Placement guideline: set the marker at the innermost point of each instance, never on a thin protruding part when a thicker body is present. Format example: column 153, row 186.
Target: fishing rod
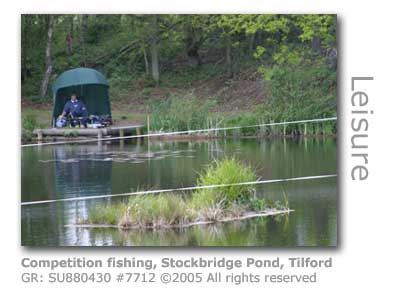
column 82, row 198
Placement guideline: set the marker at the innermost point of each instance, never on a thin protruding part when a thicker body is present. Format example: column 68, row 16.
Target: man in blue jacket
column 75, row 108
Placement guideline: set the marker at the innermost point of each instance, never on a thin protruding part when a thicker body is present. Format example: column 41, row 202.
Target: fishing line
column 177, row 189
column 178, row 132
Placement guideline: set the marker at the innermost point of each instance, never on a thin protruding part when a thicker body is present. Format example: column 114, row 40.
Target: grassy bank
column 172, row 121
column 281, row 92
column 190, row 114
column 204, row 98
column 202, row 206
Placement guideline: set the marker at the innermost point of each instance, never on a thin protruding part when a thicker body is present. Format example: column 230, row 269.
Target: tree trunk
column 228, row 58
column 26, row 21
column 145, row 58
column 192, row 46
column 155, row 62
column 251, row 44
column 48, row 60
column 155, row 50
column 83, row 37
column 316, row 45
column 70, row 37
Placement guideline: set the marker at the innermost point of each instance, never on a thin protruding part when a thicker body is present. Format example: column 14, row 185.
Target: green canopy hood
column 90, row 86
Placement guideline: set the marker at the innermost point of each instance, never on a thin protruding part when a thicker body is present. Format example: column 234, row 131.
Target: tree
column 151, row 32
column 26, row 23
column 147, row 34
column 70, row 36
column 125, row 47
column 227, row 24
column 83, row 36
column 154, row 43
column 48, row 57
column 194, row 30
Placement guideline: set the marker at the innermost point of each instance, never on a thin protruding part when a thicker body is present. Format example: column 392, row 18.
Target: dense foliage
column 294, row 54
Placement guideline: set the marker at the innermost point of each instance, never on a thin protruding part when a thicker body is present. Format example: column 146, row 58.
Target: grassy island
column 203, row 206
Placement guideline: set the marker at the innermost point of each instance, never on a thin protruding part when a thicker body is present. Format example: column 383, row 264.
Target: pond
column 64, row 171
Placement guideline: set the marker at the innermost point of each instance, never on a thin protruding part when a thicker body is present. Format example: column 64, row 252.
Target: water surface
column 56, row 172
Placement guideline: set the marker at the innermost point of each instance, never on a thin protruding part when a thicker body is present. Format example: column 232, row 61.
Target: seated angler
column 75, row 109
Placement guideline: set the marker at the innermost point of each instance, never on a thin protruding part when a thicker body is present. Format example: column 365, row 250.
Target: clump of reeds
column 159, row 210
column 209, row 204
column 108, row 214
column 225, row 172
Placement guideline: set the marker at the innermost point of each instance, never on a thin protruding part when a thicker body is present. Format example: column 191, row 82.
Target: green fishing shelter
column 89, row 85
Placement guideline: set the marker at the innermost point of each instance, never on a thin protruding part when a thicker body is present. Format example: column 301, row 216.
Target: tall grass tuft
column 176, row 114
column 28, row 124
column 159, row 210
column 226, row 171
column 107, row 214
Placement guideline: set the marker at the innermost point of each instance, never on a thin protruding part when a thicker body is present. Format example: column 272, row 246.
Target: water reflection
column 81, row 170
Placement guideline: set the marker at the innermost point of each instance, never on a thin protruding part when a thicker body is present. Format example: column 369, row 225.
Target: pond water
column 56, row 172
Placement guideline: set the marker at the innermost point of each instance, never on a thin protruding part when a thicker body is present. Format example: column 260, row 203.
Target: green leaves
column 301, row 90
column 259, row 52
column 322, row 26
column 119, row 45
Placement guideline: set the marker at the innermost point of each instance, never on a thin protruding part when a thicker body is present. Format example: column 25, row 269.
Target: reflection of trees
column 313, row 222
column 79, row 172
column 314, row 201
column 71, row 177
column 312, row 219
column 174, row 164
column 35, row 177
